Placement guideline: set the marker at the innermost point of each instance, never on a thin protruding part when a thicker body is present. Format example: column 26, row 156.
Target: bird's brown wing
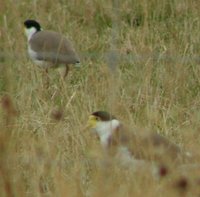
column 157, row 147
column 149, row 146
column 52, row 46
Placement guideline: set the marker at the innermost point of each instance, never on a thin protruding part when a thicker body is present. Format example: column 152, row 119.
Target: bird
column 49, row 48
column 117, row 140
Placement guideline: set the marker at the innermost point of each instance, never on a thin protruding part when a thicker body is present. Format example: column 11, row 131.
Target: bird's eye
column 97, row 118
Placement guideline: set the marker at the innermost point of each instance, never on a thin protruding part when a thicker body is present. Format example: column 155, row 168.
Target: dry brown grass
column 154, row 47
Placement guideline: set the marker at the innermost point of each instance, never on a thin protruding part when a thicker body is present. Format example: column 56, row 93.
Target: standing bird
column 48, row 48
column 118, row 141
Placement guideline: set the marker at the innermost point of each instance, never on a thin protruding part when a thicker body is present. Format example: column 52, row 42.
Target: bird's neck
column 29, row 32
column 105, row 130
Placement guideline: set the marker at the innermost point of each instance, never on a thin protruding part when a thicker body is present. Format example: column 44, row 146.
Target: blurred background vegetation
column 140, row 60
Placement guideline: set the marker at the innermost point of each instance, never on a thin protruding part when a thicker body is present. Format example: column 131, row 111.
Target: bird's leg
column 64, row 74
column 46, row 78
column 66, row 71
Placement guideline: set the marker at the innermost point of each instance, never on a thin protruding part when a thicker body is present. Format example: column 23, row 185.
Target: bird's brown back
column 52, row 46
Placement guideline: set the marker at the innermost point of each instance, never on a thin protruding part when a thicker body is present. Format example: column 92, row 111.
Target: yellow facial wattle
column 92, row 121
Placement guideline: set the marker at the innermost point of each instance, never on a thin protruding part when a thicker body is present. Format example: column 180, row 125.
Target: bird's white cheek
column 27, row 33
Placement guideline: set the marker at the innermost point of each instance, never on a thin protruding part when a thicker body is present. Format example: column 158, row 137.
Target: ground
column 139, row 60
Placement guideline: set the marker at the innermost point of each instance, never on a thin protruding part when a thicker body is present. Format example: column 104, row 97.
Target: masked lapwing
column 48, row 48
column 116, row 139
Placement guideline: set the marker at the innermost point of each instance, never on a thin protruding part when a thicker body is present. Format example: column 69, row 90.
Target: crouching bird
column 119, row 141
column 48, row 48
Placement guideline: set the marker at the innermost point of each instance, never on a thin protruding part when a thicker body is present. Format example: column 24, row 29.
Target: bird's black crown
column 103, row 115
column 32, row 23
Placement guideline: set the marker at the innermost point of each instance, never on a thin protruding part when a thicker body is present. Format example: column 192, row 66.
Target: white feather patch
column 105, row 130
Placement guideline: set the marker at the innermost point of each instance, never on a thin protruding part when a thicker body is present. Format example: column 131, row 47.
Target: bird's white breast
column 33, row 56
column 105, row 130
column 124, row 155
column 32, row 53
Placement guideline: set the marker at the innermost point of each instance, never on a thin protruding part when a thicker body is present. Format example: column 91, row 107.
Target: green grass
column 151, row 82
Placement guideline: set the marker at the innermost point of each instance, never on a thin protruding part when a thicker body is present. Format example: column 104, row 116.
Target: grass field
column 140, row 61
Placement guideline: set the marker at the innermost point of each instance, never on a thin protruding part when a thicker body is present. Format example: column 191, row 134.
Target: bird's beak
column 91, row 123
